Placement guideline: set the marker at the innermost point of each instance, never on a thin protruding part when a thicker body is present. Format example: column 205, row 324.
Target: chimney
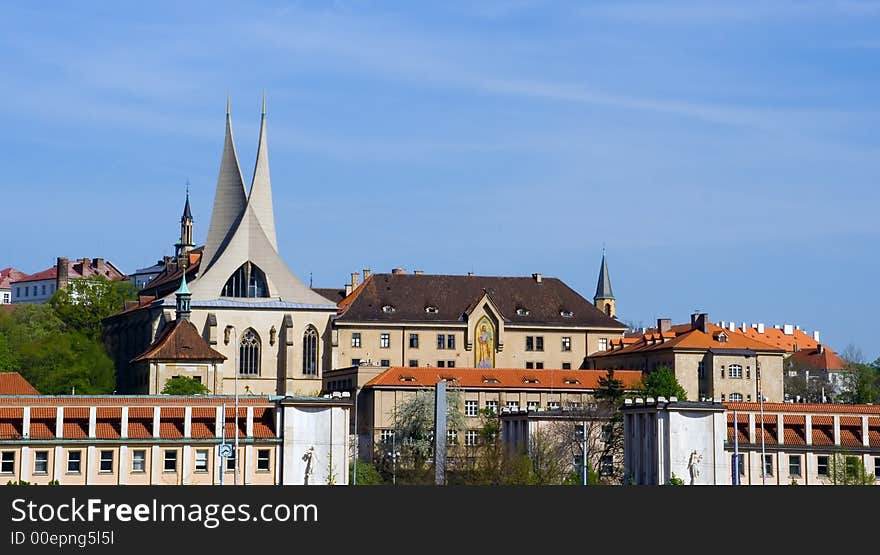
column 62, row 275
column 761, row 327
column 700, row 321
column 664, row 324
column 419, row 272
column 819, row 348
column 367, row 273
column 816, row 336
column 744, row 328
column 355, row 277
column 732, row 326
column 100, row 266
column 398, row 271
column 348, row 289
column 788, row 329
column 537, row 277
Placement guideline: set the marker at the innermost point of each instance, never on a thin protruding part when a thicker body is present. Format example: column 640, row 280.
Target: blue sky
column 726, row 154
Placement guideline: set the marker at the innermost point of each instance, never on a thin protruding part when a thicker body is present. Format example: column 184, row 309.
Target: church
column 230, row 306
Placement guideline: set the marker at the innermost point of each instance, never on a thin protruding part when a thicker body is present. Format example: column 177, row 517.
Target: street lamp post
column 235, row 358
column 354, row 478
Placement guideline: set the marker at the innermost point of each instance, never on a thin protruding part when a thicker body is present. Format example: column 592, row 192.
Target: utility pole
column 735, row 449
column 761, row 404
column 585, row 474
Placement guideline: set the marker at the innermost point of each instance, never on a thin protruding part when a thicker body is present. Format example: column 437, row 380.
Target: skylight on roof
column 522, row 311
column 566, row 313
column 387, row 309
column 432, row 309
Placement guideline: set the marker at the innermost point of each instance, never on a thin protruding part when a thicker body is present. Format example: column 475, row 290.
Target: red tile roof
column 140, row 401
column 180, row 340
column 776, row 336
column 76, row 269
column 822, row 436
column 812, row 358
column 12, row 383
column 41, row 429
column 501, row 378
column 8, row 275
column 828, row 408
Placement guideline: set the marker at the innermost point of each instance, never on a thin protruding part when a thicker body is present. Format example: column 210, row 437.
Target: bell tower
column 186, row 229
column 604, row 298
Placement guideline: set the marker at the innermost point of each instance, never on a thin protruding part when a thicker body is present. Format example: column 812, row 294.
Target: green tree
column 183, row 385
column 65, row 363
column 367, row 474
column 845, row 469
column 860, row 384
column 611, row 389
column 414, row 426
column 662, row 383
column 84, row 303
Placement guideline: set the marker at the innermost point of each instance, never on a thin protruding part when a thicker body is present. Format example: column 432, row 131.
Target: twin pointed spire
column 231, row 198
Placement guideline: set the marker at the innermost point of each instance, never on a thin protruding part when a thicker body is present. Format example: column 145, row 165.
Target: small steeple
column 604, row 298
column 186, row 229
column 183, row 298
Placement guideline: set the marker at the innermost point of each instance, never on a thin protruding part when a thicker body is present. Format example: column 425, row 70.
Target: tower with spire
column 186, row 230
column 604, row 298
column 183, row 299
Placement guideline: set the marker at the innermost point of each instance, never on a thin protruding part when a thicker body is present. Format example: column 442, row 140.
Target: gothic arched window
column 310, row 352
column 249, row 353
column 248, row 281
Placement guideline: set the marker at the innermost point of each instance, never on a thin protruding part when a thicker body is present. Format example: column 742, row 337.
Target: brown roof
column 812, row 358
column 12, row 383
column 332, row 294
column 410, row 295
column 77, row 269
column 169, row 279
column 180, row 340
column 501, row 378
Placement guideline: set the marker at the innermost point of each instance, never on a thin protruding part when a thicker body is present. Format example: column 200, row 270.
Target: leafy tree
column 662, row 383
column 675, row 480
column 367, row 474
column 84, row 303
column 611, row 388
column 63, row 363
column 848, row 470
column 414, row 426
column 183, row 385
column 860, row 383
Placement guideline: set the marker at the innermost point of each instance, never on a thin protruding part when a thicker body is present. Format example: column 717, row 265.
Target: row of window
column 447, row 341
column 138, row 461
column 31, row 291
column 734, row 371
column 249, row 351
column 472, row 408
column 795, row 465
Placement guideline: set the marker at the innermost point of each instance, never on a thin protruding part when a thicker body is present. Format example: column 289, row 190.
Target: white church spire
column 229, row 199
column 260, row 198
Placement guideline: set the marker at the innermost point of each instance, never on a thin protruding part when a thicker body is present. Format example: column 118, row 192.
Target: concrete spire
column 603, row 287
column 260, row 198
column 230, row 199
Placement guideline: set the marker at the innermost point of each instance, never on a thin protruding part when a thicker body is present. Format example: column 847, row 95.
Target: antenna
column 310, row 280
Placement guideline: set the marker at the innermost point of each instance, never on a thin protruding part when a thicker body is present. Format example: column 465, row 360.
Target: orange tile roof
column 794, row 435
column 10, row 429
column 874, row 437
column 76, row 412
column 41, row 429
column 8, row 275
column 75, row 429
column 202, row 429
column 501, row 378
column 12, row 383
column 850, row 438
column 108, row 429
column 828, row 408
column 140, row 429
column 171, row 429
column 49, row 402
column 812, row 358
column 777, row 337
column 822, row 437
column 683, row 336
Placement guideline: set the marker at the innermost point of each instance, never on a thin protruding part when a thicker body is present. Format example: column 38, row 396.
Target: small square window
column 106, row 461
column 41, row 462
column 170, row 460
column 566, row 366
column 74, row 462
column 385, row 362
column 263, row 457
column 822, row 465
column 441, row 364
column 530, row 365
column 413, row 363
column 471, row 408
column 201, row 460
column 492, row 406
column 450, row 364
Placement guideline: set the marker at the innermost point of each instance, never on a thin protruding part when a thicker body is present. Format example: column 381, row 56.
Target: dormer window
column 449, row 378
column 571, row 381
column 531, row 379
column 431, row 309
column 721, row 337
column 522, row 311
column 387, row 309
column 566, row 313
column 407, row 378
column 490, row 379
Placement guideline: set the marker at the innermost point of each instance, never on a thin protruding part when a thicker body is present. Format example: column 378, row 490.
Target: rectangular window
column 451, row 437
column 387, row 436
column 413, row 341
column 742, row 463
column 539, row 365
column 263, row 460
column 385, row 341
column 74, row 462
column 138, row 460
column 532, row 405
column 43, row 289
column 768, row 465
column 530, row 343
column 512, row 405
column 355, row 362
column 413, row 363
column 41, row 462
column 566, row 343
column 851, row 464
column 201, row 460
column 492, row 406
column 822, row 465
column 701, row 370
column 794, row 465
column 735, row 371
column 450, row 364
column 106, row 461
column 450, row 341
column 471, row 408
column 603, row 343
column 356, row 339
column 530, row 365
column 385, row 362
column 552, row 405
column 230, row 464
column 170, row 460
column 471, row 437
column 539, row 343
column 441, row 341
column 566, row 366
column 441, row 364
